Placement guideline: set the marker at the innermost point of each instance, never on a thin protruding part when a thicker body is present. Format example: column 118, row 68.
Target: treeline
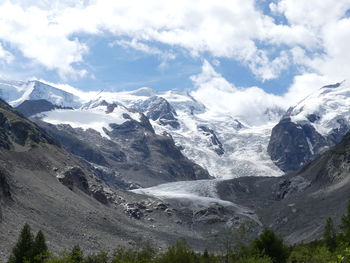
column 267, row 248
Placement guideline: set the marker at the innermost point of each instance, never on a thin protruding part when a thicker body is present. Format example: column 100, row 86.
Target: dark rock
column 134, row 212
column 313, row 117
column 75, row 178
column 291, row 186
column 161, row 206
column 31, row 107
column 293, row 145
column 100, row 196
column 158, row 108
column 215, row 142
column 5, row 192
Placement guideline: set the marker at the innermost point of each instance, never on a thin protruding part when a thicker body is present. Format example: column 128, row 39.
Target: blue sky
column 281, row 46
column 118, row 68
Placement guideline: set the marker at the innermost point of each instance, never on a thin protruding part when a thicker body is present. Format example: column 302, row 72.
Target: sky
column 274, row 50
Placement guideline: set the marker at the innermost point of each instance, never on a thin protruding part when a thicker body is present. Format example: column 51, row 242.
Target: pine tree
column 272, row 246
column 329, row 235
column 76, row 255
column 23, row 248
column 39, row 248
column 345, row 225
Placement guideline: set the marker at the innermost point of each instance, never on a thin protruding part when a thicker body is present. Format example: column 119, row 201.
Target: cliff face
column 309, row 128
column 293, row 145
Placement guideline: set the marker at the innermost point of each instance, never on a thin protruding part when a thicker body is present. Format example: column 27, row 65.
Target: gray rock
column 293, row 145
column 159, row 109
column 75, row 178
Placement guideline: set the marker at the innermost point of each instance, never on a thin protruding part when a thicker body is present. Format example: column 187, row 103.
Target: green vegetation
column 28, row 248
column 267, row 248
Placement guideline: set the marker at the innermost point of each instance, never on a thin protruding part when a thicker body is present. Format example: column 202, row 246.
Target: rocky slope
column 312, row 126
column 49, row 188
column 297, row 205
column 32, row 107
column 120, row 144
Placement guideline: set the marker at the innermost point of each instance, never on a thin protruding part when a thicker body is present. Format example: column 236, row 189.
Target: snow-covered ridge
column 326, row 110
column 97, row 118
column 16, row 92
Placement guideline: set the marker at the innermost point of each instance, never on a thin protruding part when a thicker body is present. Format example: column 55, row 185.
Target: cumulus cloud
column 314, row 35
column 164, row 56
column 328, row 60
column 36, row 34
column 44, row 30
column 5, row 56
column 252, row 105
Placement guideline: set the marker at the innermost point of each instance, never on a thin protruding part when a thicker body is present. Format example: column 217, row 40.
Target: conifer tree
column 345, row 225
column 76, row 255
column 329, row 235
column 39, row 248
column 23, row 249
column 272, row 246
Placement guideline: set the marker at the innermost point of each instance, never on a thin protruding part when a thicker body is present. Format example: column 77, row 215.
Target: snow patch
column 93, row 118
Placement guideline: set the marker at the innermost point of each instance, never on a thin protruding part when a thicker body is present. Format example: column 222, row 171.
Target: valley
column 164, row 166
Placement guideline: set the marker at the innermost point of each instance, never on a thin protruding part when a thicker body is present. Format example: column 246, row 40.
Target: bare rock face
column 293, row 145
column 75, row 178
column 310, row 127
column 133, row 154
column 290, row 186
column 31, row 107
column 215, row 142
column 158, row 108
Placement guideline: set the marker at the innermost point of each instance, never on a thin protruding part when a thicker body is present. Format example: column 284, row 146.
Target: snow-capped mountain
column 131, row 136
column 16, row 92
column 312, row 126
column 227, row 146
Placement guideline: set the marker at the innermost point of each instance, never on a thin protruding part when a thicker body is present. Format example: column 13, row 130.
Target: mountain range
column 164, row 165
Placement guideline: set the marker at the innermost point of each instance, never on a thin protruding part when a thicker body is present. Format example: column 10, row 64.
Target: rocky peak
column 316, row 123
column 159, row 109
column 214, row 141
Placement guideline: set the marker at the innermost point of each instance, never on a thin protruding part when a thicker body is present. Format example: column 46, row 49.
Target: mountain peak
column 144, row 91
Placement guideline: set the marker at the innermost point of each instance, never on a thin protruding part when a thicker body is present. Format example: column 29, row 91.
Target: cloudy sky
column 273, row 49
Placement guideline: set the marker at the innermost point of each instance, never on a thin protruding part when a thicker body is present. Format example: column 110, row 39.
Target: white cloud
column 315, row 37
column 220, row 96
column 34, row 32
column 43, row 30
column 251, row 104
column 164, row 56
column 327, row 61
column 5, row 56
